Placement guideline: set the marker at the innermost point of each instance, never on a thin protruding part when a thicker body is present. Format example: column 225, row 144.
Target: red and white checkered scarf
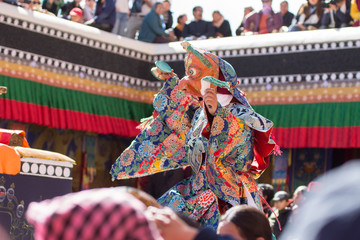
column 95, row 214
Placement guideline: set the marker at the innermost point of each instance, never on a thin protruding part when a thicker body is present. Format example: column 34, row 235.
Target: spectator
column 35, row 5
column 355, row 12
column 51, row 6
column 167, row 14
column 138, row 11
column 308, row 17
column 198, row 29
column 65, row 10
column 21, row 3
column 247, row 12
column 244, row 222
column 222, row 26
column 267, row 191
column 151, row 28
column 282, row 211
column 265, row 21
column 177, row 227
column 298, row 199
column 76, row 15
column 336, row 15
column 333, row 211
column 89, row 10
column 181, row 21
column 299, row 196
column 105, row 15
column 122, row 14
column 97, row 214
column 287, row 16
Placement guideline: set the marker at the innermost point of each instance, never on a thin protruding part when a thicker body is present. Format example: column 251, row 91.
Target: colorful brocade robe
column 219, row 150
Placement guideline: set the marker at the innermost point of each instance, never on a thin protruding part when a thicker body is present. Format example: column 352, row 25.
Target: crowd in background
column 152, row 21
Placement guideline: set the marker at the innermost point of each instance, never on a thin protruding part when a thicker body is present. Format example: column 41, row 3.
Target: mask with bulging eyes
column 199, row 64
column 195, row 70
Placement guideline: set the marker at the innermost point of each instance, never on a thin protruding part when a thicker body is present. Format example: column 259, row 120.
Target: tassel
column 144, row 122
column 242, row 93
column 277, row 150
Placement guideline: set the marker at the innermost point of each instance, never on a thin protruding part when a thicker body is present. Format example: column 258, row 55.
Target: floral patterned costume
column 226, row 151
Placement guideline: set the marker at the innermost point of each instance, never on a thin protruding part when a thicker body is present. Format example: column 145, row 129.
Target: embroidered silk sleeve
column 160, row 146
column 229, row 157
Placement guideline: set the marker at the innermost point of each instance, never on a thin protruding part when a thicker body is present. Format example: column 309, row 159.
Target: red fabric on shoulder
column 262, row 151
column 222, row 90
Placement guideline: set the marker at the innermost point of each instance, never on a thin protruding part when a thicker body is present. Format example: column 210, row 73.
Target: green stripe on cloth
column 62, row 98
column 336, row 114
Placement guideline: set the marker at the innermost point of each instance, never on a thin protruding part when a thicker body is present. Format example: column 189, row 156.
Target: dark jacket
column 341, row 19
column 287, row 19
column 178, row 33
column 169, row 22
column 198, row 29
column 283, row 217
column 151, row 27
column 53, row 8
column 274, row 21
column 106, row 14
column 240, row 29
column 210, row 234
column 224, row 29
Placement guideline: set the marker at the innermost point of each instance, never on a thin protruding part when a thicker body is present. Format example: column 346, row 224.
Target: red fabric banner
column 295, row 137
column 66, row 119
column 318, row 137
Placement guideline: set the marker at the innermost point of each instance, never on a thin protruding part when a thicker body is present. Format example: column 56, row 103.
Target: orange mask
column 195, row 70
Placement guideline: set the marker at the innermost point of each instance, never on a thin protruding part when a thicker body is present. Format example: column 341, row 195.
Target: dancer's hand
column 162, row 75
column 210, row 100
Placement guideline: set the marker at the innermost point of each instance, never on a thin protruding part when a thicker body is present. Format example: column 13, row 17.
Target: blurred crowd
column 152, row 21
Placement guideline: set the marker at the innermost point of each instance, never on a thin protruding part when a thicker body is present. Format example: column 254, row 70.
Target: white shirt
column 122, row 6
column 343, row 8
column 145, row 9
column 313, row 19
